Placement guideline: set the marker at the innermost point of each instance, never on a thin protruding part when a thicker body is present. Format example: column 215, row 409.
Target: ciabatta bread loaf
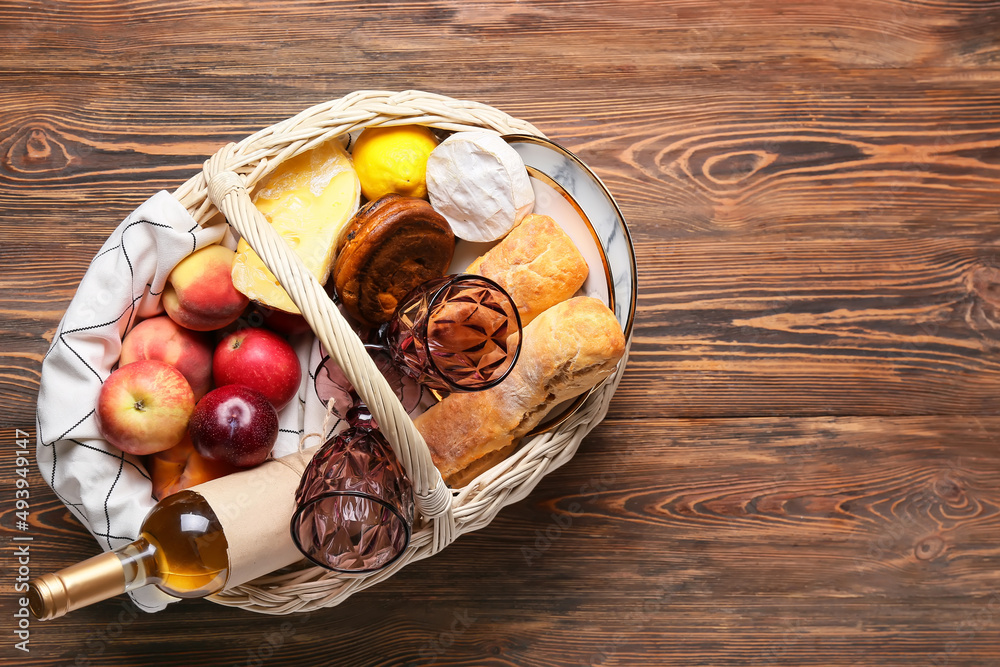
column 537, row 263
column 480, row 465
column 566, row 351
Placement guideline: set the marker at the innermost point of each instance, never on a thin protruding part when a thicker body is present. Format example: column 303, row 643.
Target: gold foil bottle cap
column 95, row 579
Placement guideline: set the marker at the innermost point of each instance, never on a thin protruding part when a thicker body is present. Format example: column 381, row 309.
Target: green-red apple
column 259, row 359
column 144, row 407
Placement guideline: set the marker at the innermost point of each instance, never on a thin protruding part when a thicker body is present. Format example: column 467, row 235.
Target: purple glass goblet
column 354, row 505
column 455, row 333
column 330, row 382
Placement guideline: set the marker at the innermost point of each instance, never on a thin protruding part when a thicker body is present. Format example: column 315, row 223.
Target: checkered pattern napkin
column 107, row 490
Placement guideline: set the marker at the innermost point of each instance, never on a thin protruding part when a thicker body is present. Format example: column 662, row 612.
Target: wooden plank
column 808, row 541
column 814, row 327
column 857, row 154
column 420, row 35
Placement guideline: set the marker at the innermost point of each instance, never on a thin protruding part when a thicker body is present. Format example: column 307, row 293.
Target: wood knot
column 929, row 548
column 950, row 490
column 36, row 149
column 984, row 282
column 732, row 168
column 958, row 503
column 983, row 286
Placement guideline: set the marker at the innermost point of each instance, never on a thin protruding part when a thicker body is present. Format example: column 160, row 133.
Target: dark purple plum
column 234, row 424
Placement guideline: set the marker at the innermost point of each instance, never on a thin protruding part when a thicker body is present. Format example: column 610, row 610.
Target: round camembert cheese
column 479, row 184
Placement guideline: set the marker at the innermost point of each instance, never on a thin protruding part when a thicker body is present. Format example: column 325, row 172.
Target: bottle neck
column 138, row 561
column 99, row 578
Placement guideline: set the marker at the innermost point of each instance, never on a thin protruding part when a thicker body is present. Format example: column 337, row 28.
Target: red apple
column 144, row 407
column 162, row 339
column 259, row 359
column 234, row 424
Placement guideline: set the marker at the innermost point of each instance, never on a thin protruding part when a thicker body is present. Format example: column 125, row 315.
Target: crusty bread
column 480, row 465
column 566, row 351
column 537, row 263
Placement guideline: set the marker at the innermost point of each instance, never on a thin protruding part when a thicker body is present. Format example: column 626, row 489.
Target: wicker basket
column 442, row 515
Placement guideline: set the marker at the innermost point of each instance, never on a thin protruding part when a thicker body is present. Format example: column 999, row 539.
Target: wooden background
column 801, row 466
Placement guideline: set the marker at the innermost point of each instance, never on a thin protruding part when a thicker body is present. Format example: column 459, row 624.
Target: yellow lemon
column 393, row 159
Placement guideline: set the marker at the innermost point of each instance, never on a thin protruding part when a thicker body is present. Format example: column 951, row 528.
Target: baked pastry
column 566, row 351
column 390, row 246
column 537, row 263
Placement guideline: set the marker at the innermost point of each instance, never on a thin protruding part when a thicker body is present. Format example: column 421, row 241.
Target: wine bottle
column 193, row 543
column 181, row 549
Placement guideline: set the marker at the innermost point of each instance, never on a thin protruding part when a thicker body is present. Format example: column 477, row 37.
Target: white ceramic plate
column 592, row 198
column 552, row 201
column 571, row 194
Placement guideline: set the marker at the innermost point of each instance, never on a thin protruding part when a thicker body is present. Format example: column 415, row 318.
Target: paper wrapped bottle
column 216, row 535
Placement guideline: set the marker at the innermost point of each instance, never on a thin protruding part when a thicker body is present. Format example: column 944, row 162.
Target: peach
column 162, row 339
column 200, row 295
column 182, row 467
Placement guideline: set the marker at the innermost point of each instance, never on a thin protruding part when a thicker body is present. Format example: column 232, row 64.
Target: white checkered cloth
column 107, row 490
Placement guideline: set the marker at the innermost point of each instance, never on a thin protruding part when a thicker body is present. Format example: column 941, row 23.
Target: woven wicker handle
column 228, row 193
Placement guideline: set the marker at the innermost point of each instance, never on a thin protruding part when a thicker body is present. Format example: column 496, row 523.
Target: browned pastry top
column 392, row 245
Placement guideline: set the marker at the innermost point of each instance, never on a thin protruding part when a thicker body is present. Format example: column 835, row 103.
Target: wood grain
column 801, row 464
column 807, row 541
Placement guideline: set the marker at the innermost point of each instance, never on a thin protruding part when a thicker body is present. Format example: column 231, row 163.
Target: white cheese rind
column 479, row 184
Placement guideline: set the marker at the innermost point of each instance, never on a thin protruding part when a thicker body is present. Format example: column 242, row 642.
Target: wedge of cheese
column 309, row 200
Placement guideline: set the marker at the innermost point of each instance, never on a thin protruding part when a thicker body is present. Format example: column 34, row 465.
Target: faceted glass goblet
column 354, row 505
column 331, row 383
column 456, row 333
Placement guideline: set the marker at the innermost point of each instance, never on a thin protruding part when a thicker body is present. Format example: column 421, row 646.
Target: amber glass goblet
column 455, row 333
column 354, row 505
